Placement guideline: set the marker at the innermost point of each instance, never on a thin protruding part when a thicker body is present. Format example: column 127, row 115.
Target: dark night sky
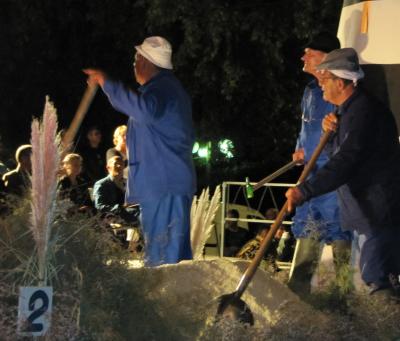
column 239, row 60
column 45, row 46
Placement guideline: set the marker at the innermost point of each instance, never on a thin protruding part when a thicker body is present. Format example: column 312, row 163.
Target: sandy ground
column 184, row 302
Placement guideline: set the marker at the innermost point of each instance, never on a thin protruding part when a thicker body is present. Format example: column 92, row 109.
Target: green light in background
column 196, row 147
column 204, row 150
column 226, row 147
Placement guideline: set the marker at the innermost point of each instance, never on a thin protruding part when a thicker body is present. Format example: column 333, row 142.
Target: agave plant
column 202, row 219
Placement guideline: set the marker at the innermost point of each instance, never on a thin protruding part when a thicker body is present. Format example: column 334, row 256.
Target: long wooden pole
column 275, row 174
column 253, row 266
column 87, row 98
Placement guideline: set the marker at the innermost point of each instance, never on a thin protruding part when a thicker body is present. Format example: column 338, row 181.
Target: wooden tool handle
column 252, row 268
column 80, row 114
column 274, row 175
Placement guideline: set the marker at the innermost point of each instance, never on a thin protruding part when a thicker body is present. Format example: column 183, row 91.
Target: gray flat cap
column 345, row 59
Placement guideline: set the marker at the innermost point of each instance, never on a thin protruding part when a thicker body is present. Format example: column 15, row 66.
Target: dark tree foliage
column 240, row 61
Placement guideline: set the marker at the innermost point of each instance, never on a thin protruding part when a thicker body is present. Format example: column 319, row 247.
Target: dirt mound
column 180, row 302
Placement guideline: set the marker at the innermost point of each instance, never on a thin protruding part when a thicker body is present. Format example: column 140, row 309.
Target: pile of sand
column 179, row 302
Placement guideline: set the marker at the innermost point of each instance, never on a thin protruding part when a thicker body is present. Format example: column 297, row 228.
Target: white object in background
column 132, row 235
column 379, row 45
column 34, row 310
column 325, row 273
column 356, row 245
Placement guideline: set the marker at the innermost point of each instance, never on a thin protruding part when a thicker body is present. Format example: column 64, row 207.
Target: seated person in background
column 119, row 140
column 92, row 153
column 235, row 236
column 249, row 249
column 73, row 186
column 18, row 181
column 3, row 169
column 120, row 150
column 254, row 227
column 284, row 239
column 109, row 196
column 271, row 214
column 109, row 192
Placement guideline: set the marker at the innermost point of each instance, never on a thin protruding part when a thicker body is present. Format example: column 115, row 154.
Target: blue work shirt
column 160, row 137
column 364, row 166
column 314, row 108
column 319, row 217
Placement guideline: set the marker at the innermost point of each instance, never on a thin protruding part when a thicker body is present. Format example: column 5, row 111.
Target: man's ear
column 341, row 83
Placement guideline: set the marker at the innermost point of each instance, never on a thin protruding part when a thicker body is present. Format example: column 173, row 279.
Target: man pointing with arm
column 159, row 141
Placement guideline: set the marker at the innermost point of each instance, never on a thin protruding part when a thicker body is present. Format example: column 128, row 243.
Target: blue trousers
column 166, row 228
column 380, row 256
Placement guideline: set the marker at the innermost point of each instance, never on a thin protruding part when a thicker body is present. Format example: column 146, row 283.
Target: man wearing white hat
column 364, row 168
column 160, row 138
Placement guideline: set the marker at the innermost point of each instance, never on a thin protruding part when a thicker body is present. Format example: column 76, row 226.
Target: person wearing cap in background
column 317, row 220
column 160, row 138
column 18, row 181
column 364, row 169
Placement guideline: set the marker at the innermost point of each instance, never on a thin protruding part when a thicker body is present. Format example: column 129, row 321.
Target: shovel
column 231, row 305
column 250, row 189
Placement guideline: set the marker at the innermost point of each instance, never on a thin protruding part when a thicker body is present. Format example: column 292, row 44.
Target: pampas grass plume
column 45, row 162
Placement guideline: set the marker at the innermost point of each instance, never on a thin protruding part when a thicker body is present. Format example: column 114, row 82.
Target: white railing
column 224, row 204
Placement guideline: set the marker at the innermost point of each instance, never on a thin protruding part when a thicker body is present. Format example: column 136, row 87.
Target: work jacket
column 160, row 137
column 364, row 166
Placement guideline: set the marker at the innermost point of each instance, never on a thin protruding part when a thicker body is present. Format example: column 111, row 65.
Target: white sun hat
column 157, row 50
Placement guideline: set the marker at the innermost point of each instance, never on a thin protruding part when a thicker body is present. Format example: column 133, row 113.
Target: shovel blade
column 231, row 306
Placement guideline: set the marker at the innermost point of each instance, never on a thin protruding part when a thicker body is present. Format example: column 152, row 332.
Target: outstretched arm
column 143, row 107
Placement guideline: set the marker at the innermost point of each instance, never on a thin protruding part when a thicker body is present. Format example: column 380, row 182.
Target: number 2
column 36, row 313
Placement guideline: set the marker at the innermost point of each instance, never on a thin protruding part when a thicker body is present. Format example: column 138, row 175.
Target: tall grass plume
column 45, row 164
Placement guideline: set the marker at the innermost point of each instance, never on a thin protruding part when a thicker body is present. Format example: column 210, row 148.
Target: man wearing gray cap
column 315, row 221
column 364, row 168
column 160, row 138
